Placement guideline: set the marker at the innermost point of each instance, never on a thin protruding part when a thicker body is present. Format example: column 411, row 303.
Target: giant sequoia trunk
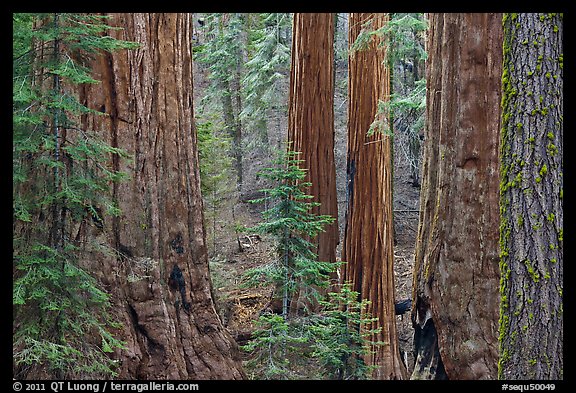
column 456, row 276
column 311, row 117
column 368, row 241
column 531, row 311
column 146, row 95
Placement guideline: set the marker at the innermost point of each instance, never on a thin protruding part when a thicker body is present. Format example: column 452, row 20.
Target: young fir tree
column 290, row 222
column 61, row 180
column 336, row 338
column 327, row 343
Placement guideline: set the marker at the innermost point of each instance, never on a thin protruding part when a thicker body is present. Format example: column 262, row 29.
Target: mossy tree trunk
column 146, row 96
column 368, row 238
column 531, row 261
column 455, row 296
column 311, row 118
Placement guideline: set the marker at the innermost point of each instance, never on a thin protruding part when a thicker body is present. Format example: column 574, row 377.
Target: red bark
column 146, row 95
column 456, row 271
column 368, row 238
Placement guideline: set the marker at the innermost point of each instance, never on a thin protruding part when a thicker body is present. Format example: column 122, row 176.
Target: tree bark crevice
column 162, row 216
column 369, row 262
column 456, row 257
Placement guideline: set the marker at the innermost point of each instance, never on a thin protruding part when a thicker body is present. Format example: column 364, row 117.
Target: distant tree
column 265, row 73
column 223, row 55
column 311, row 118
column 216, row 172
column 455, row 301
column 368, row 242
column 531, row 203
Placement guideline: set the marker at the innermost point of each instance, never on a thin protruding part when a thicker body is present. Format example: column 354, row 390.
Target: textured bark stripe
column 311, row 117
column 456, row 258
column 151, row 116
column 531, row 234
column 368, row 242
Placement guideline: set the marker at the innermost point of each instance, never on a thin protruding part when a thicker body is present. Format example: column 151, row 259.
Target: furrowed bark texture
column 146, row 96
column 456, row 259
column 311, row 117
column 368, row 241
column 531, row 232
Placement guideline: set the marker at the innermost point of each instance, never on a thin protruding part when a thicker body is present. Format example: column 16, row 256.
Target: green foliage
column 266, row 72
column 327, row 344
column 324, row 344
column 277, row 345
column 338, row 342
column 402, row 33
column 215, row 169
column 61, row 180
column 290, row 222
column 55, row 303
column 405, row 37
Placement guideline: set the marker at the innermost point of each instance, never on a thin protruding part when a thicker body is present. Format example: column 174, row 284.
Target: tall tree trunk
column 146, row 95
column 456, row 263
column 531, row 231
column 311, row 117
column 368, row 242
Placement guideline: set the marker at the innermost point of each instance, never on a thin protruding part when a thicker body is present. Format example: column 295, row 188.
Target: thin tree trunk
column 57, row 226
column 531, row 234
column 235, row 88
column 455, row 301
column 368, row 237
column 232, row 125
column 146, row 95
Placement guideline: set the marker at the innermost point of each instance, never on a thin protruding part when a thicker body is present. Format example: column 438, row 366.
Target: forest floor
column 232, row 254
column 239, row 307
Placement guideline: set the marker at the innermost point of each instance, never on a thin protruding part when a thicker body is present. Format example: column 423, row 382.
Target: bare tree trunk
column 531, row 231
column 146, row 95
column 368, row 237
column 456, row 263
column 311, row 117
